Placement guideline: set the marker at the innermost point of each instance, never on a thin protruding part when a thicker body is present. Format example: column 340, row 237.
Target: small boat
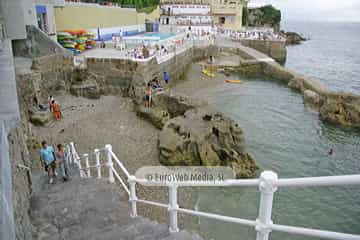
column 208, row 73
column 233, row 81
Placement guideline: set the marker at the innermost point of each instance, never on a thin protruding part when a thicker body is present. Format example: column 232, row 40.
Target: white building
column 193, row 13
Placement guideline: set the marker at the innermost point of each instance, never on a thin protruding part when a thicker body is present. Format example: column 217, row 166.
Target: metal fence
column 267, row 184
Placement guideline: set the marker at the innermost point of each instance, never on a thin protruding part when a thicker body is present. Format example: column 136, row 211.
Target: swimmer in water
column 331, row 151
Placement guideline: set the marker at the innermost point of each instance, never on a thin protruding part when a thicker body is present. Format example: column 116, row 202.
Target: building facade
column 203, row 14
column 45, row 15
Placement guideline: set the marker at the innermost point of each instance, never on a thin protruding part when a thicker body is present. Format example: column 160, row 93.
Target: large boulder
column 176, row 104
column 343, row 109
column 156, row 116
column 166, row 106
column 40, row 118
column 205, row 137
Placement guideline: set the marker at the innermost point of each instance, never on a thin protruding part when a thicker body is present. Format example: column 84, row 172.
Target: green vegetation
column 142, row 5
column 264, row 16
column 271, row 15
column 245, row 15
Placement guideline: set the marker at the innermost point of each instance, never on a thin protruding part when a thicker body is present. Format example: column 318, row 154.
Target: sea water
column 287, row 137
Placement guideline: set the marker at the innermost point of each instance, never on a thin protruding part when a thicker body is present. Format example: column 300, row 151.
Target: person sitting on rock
column 156, row 85
column 148, row 95
column 47, row 159
column 60, row 160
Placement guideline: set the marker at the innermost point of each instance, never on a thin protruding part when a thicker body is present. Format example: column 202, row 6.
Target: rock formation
column 293, row 38
column 166, row 106
column 205, row 137
column 312, row 98
column 342, row 109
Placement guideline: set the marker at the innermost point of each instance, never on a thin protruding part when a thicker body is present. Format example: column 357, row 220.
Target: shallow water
column 285, row 136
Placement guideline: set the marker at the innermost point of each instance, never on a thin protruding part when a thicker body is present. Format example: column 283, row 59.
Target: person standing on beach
column 56, row 110
column 47, row 158
column 50, row 100
column 148, row 95
column 60, row 161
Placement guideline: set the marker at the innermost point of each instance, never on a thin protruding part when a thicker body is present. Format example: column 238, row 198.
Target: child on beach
column 60, row 161
column 148, row 95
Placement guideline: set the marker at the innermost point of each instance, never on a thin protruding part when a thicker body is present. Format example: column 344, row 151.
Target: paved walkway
column 90, row 209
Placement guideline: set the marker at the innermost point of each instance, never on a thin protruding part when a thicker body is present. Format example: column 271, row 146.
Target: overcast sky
column 318, row 10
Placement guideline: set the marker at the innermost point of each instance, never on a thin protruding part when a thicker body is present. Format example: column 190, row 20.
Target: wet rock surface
column 205, row 137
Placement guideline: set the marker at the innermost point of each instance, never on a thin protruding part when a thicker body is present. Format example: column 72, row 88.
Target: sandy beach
column 112, row 120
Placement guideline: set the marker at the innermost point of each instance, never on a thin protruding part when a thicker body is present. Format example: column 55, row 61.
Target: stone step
column 89, row 209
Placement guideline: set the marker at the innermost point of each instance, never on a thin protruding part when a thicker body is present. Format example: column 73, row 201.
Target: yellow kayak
column 233, row 81
column 208, row 73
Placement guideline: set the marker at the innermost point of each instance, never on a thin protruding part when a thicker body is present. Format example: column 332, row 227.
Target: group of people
column 153, row 87
column 256, row 35
column 53, row 161
column 52, row 105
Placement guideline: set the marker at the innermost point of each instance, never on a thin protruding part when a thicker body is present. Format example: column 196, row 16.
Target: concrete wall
column 15, row 182
column 274, row 49
column 37, row 44
column 17, row 14
column 88, row 16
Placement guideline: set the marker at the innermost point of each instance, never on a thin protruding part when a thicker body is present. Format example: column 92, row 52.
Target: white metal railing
column 267, row 185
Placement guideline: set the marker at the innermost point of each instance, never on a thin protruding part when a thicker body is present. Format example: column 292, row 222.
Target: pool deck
column 106, row 53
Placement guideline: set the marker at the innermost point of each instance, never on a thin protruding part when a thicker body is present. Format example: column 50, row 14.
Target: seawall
column 273, row 48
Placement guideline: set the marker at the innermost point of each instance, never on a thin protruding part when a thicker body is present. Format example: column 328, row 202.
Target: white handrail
column 120, row 180
column 319, row 181
column 120, row 164
column 267, row 184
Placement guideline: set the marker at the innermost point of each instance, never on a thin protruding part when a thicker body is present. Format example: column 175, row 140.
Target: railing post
column 72, row 152
column 78, row 161
column 87, row 165
column 267, row 188
column 173, row 206
column 110, row 163
column 98, row 166
column 132, row 196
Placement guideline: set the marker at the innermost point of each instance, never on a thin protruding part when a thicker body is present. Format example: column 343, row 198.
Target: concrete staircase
column 90, row 209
